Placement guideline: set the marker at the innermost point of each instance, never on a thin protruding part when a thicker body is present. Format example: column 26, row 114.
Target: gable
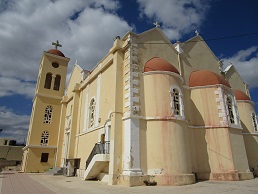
column 235, row 80
column 154, row 43
column 198, row 56
column 75, row 77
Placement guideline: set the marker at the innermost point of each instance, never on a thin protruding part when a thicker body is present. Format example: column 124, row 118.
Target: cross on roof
column 196, row 32
column 156, row 24
column 56, row 44
column 230, row 62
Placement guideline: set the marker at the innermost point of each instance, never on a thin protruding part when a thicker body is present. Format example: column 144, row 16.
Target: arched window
column 44, row 138
column 254, row 119
column 231, row 111
column 92, row 112
column 57, row 82
column 48, row 81
column 177, row 102
column 48, row 114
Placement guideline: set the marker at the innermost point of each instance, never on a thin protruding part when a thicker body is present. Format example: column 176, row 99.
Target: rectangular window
column 44, row 157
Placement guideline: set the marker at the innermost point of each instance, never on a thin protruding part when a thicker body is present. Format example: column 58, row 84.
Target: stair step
column 104, row 177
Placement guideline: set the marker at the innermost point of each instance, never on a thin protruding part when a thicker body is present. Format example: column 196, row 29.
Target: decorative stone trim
column 131, row 140
column 221, row 106
column 132, row 82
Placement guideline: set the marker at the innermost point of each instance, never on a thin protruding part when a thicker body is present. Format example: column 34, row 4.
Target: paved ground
column 20, row 183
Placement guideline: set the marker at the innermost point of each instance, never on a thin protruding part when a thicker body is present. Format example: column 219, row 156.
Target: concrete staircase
column 55, row 171
column 94, row 170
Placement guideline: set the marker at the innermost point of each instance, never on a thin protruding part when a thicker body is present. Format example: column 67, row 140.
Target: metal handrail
column 99, row 148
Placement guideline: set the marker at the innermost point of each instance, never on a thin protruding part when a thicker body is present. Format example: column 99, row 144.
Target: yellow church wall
column 219, row 150
column 199, row 151
column 164, row 136
column 88, row 137
column 74, row 124
column 107, row 91
column 38, row 121
column 92, row 92
column 245, row 109
column 238, row 150
column 213, row 150
column 204, row 108
column 81, row 116
column 167, row 148
column 115, row 164
column 143, row 146
column 251, row 143
column 60, row 141
column 106, row 100
column 87, row 142
column 34, row 164
column 160, row 95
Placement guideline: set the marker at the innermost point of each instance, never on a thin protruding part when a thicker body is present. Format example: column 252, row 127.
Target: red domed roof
column 205, row 78
column 56, row 52
column 241, row 95
column 158, row 64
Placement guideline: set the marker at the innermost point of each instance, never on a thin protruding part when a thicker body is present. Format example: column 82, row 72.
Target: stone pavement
column 42, row 183
column 13, row 182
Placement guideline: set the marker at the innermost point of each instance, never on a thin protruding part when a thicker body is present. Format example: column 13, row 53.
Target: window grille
column 48, row 114
column 176, row 101
column 44, row 138
column 92, row 113
column 230, row 110
column 254, row 121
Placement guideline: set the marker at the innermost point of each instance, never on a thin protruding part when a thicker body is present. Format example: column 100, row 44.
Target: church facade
column 150, row 112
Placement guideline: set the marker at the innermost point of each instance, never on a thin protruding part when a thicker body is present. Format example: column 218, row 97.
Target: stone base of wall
column 175, row 180
column 245, row 176
column 131, row 181
column 153, row 180
column 202, row 175
column 229, row 176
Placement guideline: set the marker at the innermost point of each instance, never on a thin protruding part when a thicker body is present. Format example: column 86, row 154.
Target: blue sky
column 86, row 29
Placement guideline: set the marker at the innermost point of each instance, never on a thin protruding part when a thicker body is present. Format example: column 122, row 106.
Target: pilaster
column 131, row 140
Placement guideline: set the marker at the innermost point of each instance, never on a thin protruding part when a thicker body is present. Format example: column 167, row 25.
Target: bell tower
column 40, row 151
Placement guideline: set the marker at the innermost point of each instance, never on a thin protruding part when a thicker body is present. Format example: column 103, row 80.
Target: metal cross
column 156, row 24
column 56, row 44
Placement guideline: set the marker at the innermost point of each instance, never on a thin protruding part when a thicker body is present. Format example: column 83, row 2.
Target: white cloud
column 11, row 86
column 177, row 17
column 85, row 28
column 14, row 126
column 28, row 27
column 246, row 63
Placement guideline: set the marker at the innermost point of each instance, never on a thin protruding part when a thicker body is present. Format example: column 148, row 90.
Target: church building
column 149, row 113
